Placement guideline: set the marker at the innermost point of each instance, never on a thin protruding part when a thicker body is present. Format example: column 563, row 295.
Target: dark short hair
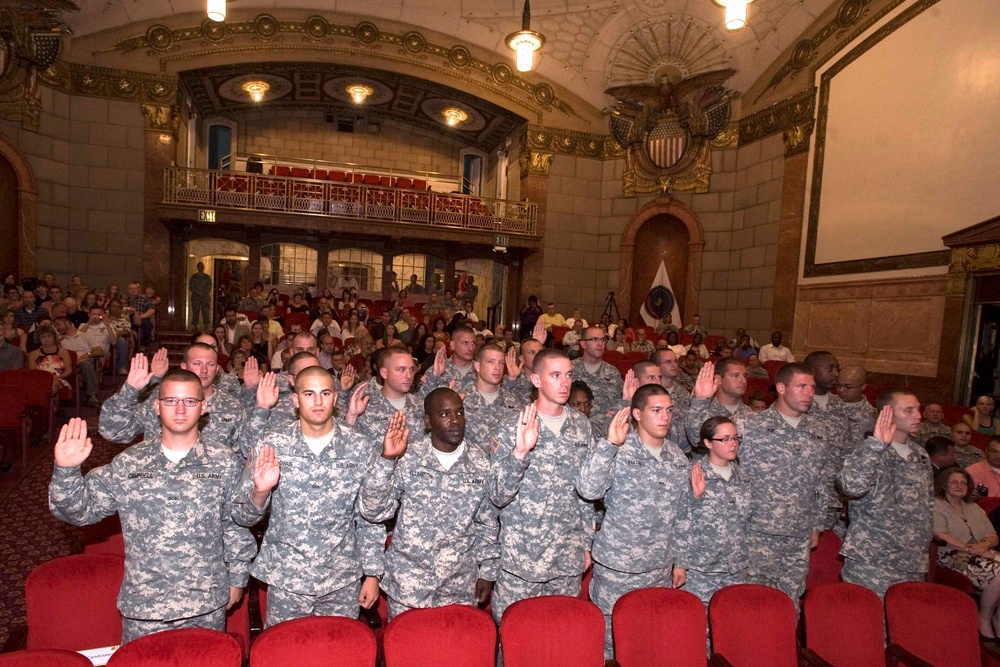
column 463, row 328
column 642, row 395
column 641, row 364
column 941, row 482
column 487, row 347
column 888, row 396
column 434, row 395
column 938, row 445
column 788, row 371
column 722, row 365
column 813, row 358
column 580, row 385
column 180, row 375
column 710, row 426
column 301, row 356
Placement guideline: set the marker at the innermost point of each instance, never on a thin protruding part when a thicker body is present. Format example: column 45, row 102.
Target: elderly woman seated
column 969, row 542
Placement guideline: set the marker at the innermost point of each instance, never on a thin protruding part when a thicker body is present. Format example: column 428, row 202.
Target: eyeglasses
column 603, row 339
column 728, row 439
column 172, row 401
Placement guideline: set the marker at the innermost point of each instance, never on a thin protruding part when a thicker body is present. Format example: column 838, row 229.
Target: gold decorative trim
column 535, row 162
column 963, row 261
column 116, row 84
column 579, row 144
column 729, row 138
column 778, row 117
column 161, row 118
column 366, row 36
column 695, row 177
column 796, row 138
column 868, row 265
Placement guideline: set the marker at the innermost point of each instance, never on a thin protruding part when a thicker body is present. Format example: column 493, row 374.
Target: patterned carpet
column 32, row 534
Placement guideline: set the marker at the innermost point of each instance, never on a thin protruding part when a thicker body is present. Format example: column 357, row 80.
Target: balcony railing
column 335, row 199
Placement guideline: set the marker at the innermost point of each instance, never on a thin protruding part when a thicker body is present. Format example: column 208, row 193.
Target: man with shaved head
column 670, row 369
column 519, row 370
column 860, row 413
column 731, row 384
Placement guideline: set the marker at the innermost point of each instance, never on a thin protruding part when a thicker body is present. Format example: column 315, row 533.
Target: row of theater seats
column 350, row 177
column 843, row 625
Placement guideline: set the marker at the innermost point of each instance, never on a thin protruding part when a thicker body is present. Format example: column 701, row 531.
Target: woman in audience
column 88, row 301
column 439, row 332
column 351, row 327
column 981, row 417
column 236, row 363
column 417, row 338
column 219, row 333
column 755, row 369
column 298, row 304
column 52, row 358
column 388, row 339
column 698, row 347
column 674, row 344
column 113, row 294
column 969, row 542
column 261, row 344
column 617, row 343
column 13, row 334
column 274, row 297
column 346, row 303
column 423, row 348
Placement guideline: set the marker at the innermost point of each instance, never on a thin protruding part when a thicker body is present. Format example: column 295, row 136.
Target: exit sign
column 206, row 215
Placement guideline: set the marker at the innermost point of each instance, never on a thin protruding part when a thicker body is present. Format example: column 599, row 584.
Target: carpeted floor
column 31, row 534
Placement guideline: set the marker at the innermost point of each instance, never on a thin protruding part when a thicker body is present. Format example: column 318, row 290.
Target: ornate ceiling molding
column 778, row 117
column 116, row 84
column 578, row 144
column 266, row 32
column 678, row 47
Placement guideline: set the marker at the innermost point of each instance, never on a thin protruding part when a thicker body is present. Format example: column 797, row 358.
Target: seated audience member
column 616, row 342
column 745, row 349
column 236, row 327
column 433, row 305
column 272, row 326
column 219, row 334
column 571, row 339
column 698, row 347
column 70, row 338
column 643, row 344
column 775, row 351
column 29, row 312
column 142, row 311
column 674, row 344
column 352, row 327
column 965, row 453
column 253, row 301
column 182, row 568
column 237, row 362
column 11, row 298
column 151, row 294
column 55, row 296
column 11, row 333
column 758, row 402
column 10, row 357
column 469, row 312
column 327, row 320
column 941, row 452
column 507, row 341
column 969, row 542
column 987, row 472
column 695, row 327
column 439, row 332
column 298, row 304
column 52, row 358
column 261, row 343
column 273, row 297
column 120, row 326
column 981, row 419
column 754, row 368
column 327, row 350
column 74, row 313
column 690, row 366
column 666, row 325
column 577, row 315
column 933, row 424
column 551, row 318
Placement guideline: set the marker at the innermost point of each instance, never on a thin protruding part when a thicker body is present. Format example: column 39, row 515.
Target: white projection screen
column 911, row 145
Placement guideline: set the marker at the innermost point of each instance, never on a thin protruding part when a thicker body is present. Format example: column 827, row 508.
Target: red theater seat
column 280, row 170
column 552, row 631
column 186, row 647
column 318, row 641
column 44, row 658
column 456, row 635
column 402, row 182
column 300, row 172
column 638, row 621
column 844, row 625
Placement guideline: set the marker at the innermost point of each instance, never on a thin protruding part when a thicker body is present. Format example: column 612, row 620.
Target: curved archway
column 665, row 214
column 26, row 221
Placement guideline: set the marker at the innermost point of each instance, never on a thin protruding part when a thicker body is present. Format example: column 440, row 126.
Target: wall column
column 322, row 261
column 793, row 197
column 534, row 167
column 161, row 146
column 253, row 264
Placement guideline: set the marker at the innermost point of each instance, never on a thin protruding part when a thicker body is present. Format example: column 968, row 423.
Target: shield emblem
column 667, row 142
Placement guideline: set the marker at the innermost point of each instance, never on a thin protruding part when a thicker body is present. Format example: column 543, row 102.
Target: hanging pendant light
column 217, row 10
column 525, row 41
column 736, row 13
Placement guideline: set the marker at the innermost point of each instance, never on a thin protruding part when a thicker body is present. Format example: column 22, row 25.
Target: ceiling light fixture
column 525, row 41
column 454, row 116
column 736, row 13
column 359, row 93
column 217, row 10
column 256, row 90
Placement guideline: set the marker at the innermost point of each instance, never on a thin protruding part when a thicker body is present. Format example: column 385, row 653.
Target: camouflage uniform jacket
column 316, row 541
column 706, row 409
column 892, row 505
column 838, row 425
column 482, row 419
column 545, row 526
column 123, row 417
column 967, row 455
column 861, row 416
column 928, row 431
column 446, row 528
column 606, row 384
column 182, row 549
column 710, row 534
column 642, row 497
column 463, row 384
column 681, row 398
column 788, row 469
column 374, row 421
column 230, row 383
column 520, row 388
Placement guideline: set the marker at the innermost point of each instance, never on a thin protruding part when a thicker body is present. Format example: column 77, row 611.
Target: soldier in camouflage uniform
column 643, row 478
column 396, row 372
column 727, row 401
column 965, row 453
column 829, row 408
column 317, row 548
column 124, row 416
column 666, row 359
column 444, row 547
column 300, row 342
column 459, row 366
column 186, row 561
column 489, row 403
column 710, row 533
column 933, row 425
column 546, row 528
column 224, row 381
column 891, row 489
column 518, row 380
column 859, row 412
column 784, row 453
column 602, row 378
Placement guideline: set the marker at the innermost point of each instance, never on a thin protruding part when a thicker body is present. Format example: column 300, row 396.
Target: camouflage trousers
column 396, row 607
column 877, row 577
column 133, row 628
column 608, row 585
column 779, row 561
column 511, row 588
column 284, row 605
column 705, row 584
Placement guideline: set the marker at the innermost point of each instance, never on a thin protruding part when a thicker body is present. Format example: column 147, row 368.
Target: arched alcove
column 668, row 229
column 18, row 211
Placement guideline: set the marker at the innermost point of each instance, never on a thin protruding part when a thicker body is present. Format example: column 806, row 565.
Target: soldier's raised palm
column 698, row 483
column 394, row 442
column 251, row 372
column 440, row 358
column 527, row 432
column 139, row 374
column 73, row 446
column 707, row 383
column 618, row 428
column 267, row 391
column 160, row 363
column 885, row 427
column 266, row 470
column 513, row 368
column 348, row 376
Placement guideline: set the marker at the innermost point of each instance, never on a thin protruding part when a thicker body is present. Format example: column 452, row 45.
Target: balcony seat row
column 349, row 177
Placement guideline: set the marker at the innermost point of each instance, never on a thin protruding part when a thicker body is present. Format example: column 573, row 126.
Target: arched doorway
column 18, row 212
column 225, row 261
column 663, row 229
column 10, row 215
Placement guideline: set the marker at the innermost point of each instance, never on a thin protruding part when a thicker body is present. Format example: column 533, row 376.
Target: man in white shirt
column 577, row 315
column 71, row 339
column 571, row 340
column 774, row 351
column 97, row 331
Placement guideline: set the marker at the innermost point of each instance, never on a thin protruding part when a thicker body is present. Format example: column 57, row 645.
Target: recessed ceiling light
column 454, row 116
column 256, row 90
column 359, row 93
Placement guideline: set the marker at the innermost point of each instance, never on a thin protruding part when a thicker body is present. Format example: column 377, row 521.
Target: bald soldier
column 859, row 412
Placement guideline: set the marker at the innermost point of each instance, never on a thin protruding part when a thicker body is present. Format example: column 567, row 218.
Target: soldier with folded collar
column 490, row 402
column 389, row 394
column 124, row 415
column 186, row 560
column 518, row 380
column 444, row 547
column 602, row 378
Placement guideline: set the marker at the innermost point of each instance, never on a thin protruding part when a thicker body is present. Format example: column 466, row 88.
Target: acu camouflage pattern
column 891, row 508
column 838, row 425
column 316, row 541
column 482, row 419
column 928, row 431
column 606, row 384
column 698, row 411
column 681, row 399
column 182, row 549
column 545, row 526
column 710, row 533
column 642, row 497
column 374, row 421
column 861, row 417
column 966, row 455
column 464, row 384
column 446, row 527
column 519, row 388
column 124, row 416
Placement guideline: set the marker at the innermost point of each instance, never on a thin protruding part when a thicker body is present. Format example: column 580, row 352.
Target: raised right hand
column 160, row 363
column 698, row 483
column 618, row 428
column 139, row 374
column 251, row 372
column 707, row 383
column 348, row 377
column 440, row 360
column 394, row 442
column 527, row 432
column 73, row 446
column 266, row 470
column 885, row 427
column 513, row 368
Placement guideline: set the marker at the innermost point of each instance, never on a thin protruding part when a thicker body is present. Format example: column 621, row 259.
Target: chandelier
column 359, row 93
